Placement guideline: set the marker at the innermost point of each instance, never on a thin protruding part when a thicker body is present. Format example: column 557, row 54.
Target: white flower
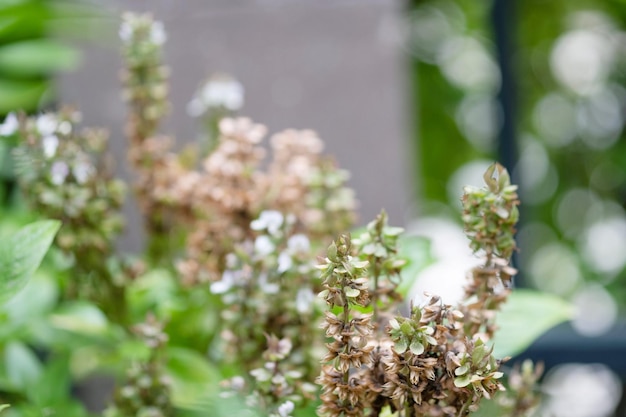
column 9, row 126
column 226, row 283
column 298, row 243
column 82, row 171
column 285, row 409
column 270, row 220
column 284, row 262
column 46, row 124
column 50, row 145
column 157, row 33
column 223, row 92
column 126, row 31
column 58, row 172
column 263, row 245
column 304, row 300
column 65, row 128
column 268, row 287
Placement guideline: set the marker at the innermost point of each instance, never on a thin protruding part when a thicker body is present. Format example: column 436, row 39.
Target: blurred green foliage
column 569, row 81
column 29, row 55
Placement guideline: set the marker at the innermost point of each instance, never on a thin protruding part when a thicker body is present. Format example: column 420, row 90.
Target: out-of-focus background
column 415, row 98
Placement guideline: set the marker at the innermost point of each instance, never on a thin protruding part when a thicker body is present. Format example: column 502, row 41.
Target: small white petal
column 81, row 172
column 299, row 243
column 65, row 128
column 285, row 409
column 263, row 246
column 46, row 124
column 157, row 33
column 304, row 300
column 58, row 172
column 284, row 262
column 50, row 145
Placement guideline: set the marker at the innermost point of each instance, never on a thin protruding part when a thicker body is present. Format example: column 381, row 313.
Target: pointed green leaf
column 525, row 316
column 21, row 254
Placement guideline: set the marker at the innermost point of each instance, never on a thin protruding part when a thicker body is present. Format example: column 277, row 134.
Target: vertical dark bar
column 503, row 23
column 503, row 19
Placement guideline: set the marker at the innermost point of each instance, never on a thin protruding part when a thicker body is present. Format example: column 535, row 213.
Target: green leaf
column 25, row 95
column 402, row 345
column 525, row 316
column 80, row 317
column 461, row 370
column 352, row 292
column 193, row 377
column 21, row 254
column 416, row 250
column 416, row 347
column 22, row 366
column 462, row 381
column 36, row 57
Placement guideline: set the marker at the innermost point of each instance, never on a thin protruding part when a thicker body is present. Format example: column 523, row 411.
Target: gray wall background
column 335, row 66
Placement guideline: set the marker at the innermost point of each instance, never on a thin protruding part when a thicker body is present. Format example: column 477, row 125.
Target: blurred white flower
column 263, row 246
column 58, row 172
column 46, row 124
column 270, row 220
column 298, row 243
column 65, row 128
column 285, row 409
column 126, row 31
column 284, row 262
column 221, row 91
column 50, row 145
column 9, row 126
column 304, row 300
column 82, row 171
column 157, row 33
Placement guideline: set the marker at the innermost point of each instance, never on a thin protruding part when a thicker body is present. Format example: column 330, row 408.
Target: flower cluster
column 436, row 361
column 267, row 288
column 146, row 392
column 65, row 175
column 345, row 286
column 490, row 215
column 379, row 246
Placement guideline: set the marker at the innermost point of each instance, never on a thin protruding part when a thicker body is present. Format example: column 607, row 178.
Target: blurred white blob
column 554, row 117
column 537, row 176
column 429, row 28
column 607, row 176
column 581, row 59
column 450, row 248
column 554, row 268
column 220, row 91
column 467, row 63
column 572, row 209
column 531, row 236
column 478, row 118
column 595, row 311
column 576, row 390
column 599, row 119
column 469, row 174
column 10, row 125
column 603, row 245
